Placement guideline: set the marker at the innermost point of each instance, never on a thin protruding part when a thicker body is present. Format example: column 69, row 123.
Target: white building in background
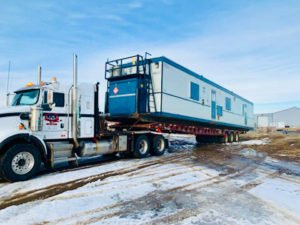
column 288, row 117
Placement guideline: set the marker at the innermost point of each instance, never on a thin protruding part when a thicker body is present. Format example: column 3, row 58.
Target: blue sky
column 249, row 47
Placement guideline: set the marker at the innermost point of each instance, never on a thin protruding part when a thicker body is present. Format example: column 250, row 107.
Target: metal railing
column 131, row 65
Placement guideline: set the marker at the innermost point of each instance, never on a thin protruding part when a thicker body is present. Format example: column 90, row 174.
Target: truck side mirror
column 50, row 104
column 24, row 116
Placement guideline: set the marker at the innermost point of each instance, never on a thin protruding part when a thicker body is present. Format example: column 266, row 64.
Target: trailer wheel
column 142, row 147
column 237, row 137
column 230, row 137
column 225, row 138
column 20, row 162
column 158, row 146
column 200, row 139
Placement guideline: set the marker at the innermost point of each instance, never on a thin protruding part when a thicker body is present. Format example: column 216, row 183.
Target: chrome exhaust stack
column 39, row 75
column 75, row 104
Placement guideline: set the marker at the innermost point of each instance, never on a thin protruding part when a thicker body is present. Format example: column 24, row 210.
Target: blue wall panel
column 122, row 97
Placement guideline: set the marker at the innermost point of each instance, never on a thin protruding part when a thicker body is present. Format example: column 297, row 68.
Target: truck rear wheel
column 158, row 146
column 20, row 162
column 142, row 147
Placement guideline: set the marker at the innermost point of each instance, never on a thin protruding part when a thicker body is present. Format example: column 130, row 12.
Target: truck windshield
column 26, row 98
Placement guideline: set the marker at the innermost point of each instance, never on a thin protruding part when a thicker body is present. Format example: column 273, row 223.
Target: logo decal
column 116, row 90
column 52, row 118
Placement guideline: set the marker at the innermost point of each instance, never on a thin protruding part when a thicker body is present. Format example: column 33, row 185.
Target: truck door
column 213, row 104
column 55, row 122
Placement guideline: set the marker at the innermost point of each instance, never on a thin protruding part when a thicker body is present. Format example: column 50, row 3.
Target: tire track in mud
column 178, row 159
column 187, row 213
column 136, row 183
column 145, row 198
column 52, row 190
column 137, row 204
column 219, row 179
column 152, row 200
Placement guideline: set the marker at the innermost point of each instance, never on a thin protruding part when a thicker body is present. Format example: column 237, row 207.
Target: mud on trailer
column 51, row 122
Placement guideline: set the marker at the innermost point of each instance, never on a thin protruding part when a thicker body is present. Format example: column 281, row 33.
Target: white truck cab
column 45, row 111
column 40, row 116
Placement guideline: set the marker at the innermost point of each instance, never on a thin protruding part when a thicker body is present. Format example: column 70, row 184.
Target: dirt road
column 213, row 184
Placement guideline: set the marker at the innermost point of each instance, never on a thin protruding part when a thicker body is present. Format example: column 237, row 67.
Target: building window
column 219, row 110
column 59, row 99
column 194, row 91
column 228, row 104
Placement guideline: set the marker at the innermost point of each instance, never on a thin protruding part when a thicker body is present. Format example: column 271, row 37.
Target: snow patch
column 253, row 142
column 280, row 193
column 250, row 152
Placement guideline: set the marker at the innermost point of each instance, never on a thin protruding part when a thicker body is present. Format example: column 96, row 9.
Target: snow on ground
column 224, row 184
column 251, row 142
column 280, row 193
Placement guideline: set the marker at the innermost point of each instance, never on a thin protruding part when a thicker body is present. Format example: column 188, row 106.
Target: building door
column 213, row 104
column 245, row 114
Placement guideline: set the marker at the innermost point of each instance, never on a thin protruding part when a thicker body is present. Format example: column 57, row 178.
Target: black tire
column 208, row 139
column 158, row 146
column 141, row 147
column 200, row 139
column 20, row 162
column 236, row 137
column 231, row 138
column 203, row 139
column 225, row 138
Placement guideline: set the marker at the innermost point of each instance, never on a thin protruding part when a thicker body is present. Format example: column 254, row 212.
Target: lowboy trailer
column 50, row 122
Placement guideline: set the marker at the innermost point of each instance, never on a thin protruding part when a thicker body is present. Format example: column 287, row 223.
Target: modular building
column 288, row 117
column 161, row 90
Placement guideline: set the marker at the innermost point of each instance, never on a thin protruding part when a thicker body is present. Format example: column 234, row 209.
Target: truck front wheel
column 20, row 162
column 142, row 147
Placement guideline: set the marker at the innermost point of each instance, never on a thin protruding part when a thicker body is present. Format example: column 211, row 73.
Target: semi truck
column 50, row 122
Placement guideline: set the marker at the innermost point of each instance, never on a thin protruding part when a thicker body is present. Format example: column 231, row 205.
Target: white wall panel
column 176, row 99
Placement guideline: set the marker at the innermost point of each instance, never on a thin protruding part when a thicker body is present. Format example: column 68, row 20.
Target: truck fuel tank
column 103, row 146
column 90, row 148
